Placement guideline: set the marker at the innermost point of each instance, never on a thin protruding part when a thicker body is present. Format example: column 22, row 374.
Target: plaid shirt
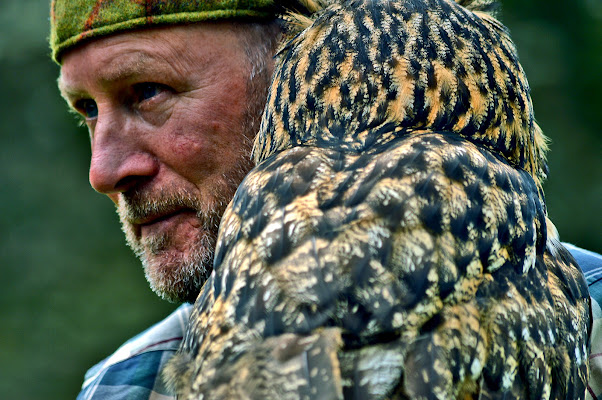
column 133, row 371
column 591, row 264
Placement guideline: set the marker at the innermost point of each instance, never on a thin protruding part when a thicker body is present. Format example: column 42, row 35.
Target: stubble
column 179, row 276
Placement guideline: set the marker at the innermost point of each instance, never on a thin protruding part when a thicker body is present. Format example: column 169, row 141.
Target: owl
column 392, row 241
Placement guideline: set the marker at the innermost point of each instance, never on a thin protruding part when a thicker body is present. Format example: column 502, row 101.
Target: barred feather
column 392, row 241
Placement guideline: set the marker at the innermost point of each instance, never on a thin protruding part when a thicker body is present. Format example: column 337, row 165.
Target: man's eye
column 87, row 107
column 148, row 90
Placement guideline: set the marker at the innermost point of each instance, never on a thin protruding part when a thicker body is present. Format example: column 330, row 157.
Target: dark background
column 71, row 291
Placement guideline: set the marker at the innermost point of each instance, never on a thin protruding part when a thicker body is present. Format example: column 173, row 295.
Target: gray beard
column 181, row 278
column 174, row 278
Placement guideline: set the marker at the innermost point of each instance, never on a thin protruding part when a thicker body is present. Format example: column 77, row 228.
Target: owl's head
column 355, row 73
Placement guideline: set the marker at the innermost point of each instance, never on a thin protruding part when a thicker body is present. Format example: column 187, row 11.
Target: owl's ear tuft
column 300, row 14
column 304, row 7
column 490, row 7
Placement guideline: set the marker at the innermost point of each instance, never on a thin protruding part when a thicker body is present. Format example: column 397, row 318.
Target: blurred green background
column 72, row 292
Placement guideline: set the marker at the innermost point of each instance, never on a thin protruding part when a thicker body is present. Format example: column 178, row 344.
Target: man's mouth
column 161, row 222
column 158, row 217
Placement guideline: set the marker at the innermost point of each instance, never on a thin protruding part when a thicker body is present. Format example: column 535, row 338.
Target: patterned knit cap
column 73, row 21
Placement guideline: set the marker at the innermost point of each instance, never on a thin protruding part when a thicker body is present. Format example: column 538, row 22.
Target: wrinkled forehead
column 116, row 57
column 153, row 54
column 87, row 65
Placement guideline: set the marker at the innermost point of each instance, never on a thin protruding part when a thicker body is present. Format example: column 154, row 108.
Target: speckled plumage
column 392, row 241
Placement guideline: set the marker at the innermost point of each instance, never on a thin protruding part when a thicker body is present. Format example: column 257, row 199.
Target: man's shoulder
column 132, row 372
column 591, row 265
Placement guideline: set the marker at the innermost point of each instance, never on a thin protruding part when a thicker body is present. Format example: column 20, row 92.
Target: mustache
column 138, row 207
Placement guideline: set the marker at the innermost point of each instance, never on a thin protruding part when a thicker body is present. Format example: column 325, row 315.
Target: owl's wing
column 427, row 257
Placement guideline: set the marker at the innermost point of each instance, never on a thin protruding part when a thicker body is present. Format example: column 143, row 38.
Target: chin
column 175, row 269
column 178, row 279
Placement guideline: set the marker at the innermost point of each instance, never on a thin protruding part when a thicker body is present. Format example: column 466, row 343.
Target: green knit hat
column 73, row 21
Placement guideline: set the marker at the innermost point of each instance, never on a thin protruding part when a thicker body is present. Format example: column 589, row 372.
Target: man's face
column 171, row 114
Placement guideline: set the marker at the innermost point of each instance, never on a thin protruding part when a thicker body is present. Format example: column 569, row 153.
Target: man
column 172, row 93
column 172, row 111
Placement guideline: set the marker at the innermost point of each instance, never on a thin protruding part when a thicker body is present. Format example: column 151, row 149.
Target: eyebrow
column 67, row 92
column 134, row 65
column 124, row 68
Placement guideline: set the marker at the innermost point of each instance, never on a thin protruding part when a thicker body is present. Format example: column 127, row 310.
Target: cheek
column 204, row 136
column 187, row 145
column 190, row 149
column 195, row 149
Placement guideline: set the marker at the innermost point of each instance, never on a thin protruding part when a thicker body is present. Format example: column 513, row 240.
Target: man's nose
column 120, row 160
